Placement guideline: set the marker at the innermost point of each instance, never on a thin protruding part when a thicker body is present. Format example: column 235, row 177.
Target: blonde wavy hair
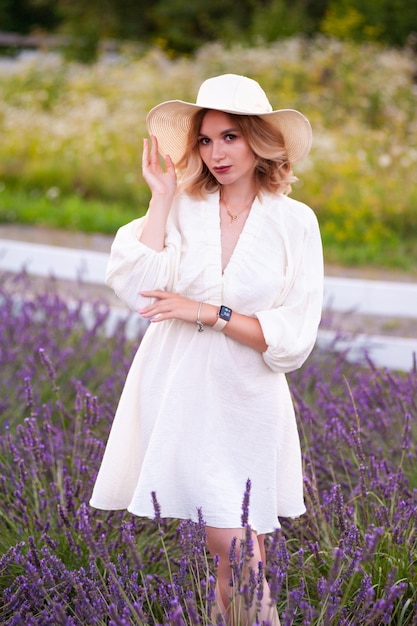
column 273, row 171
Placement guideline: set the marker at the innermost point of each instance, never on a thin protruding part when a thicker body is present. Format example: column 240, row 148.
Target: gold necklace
column 235, row 216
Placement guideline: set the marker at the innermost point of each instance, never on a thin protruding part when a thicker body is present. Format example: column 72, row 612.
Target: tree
column 24, row 16
column 389, row 21
column 184, row 25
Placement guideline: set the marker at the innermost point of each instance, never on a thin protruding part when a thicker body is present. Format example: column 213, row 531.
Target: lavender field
column 352, row 559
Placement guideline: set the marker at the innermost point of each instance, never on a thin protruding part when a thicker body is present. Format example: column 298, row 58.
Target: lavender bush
column 350, row 560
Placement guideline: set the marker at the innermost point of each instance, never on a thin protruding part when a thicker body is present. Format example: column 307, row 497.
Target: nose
column 217, row 151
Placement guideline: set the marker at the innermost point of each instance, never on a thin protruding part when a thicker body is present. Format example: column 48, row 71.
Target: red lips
column 222, row 169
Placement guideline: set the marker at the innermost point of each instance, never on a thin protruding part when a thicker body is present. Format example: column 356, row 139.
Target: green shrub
column 72, row 134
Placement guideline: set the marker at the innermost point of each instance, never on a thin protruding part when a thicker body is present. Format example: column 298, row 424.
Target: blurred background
column 77, row 78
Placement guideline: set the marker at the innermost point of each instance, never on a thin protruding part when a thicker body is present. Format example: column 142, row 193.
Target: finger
column 157, row 311
column 154, row 150
column 161, row 305
column 145, row 153
column 148, row 314
column 151, row 314
column 169, row 163
column 155, row 293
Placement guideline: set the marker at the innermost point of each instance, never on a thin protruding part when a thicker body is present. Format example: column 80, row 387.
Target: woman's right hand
column 161, row 183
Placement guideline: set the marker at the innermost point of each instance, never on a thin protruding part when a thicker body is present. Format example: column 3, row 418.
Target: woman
column 228, row 269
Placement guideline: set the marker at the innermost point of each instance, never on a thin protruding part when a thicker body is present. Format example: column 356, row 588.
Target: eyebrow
column 224, row 132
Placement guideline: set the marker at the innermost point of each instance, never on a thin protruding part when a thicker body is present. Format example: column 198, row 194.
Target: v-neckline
column 240, row 241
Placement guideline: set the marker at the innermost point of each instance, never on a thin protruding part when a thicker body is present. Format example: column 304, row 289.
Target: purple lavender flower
column 350, row 559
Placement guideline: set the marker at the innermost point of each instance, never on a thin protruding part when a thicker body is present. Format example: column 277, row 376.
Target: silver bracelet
column 198, row 320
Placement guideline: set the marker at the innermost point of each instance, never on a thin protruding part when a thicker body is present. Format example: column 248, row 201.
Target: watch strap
column 220, row 324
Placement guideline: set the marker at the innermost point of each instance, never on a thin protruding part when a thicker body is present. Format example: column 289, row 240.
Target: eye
column 230, row 137
column 204, row 141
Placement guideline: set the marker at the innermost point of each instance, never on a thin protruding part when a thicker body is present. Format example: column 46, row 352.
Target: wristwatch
column 223, row 316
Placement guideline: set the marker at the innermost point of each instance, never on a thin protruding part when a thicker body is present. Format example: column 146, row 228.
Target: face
column 224, row 150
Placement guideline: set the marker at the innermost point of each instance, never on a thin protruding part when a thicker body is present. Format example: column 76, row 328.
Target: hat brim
column 170, row 123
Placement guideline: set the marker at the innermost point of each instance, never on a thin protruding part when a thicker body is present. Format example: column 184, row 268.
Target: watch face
column 225, row 313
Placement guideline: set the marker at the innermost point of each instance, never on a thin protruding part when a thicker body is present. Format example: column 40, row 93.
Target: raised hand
column 160, row 182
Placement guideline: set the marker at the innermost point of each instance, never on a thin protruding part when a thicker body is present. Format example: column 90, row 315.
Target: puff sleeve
column 133, row 267
column 290, row 329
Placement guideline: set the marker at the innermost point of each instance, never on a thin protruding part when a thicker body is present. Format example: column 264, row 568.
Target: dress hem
column 195, row 520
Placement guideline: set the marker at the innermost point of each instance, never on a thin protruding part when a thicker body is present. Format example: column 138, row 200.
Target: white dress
column 201, row 413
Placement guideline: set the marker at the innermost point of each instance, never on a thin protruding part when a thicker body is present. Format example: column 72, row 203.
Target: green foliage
column 390, row 21
column 278, row 18
column 86, row 23
column 70, row 212
column 349, row 560
column 72, row 137
column 182, row 27
column 24, row 16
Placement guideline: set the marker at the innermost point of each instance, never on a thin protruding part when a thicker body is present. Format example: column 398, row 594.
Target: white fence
column 347, row 295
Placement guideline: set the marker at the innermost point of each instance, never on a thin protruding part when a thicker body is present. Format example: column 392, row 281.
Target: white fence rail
column 345, row 295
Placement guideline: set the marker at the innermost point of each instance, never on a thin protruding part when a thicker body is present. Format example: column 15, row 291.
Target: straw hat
column 170, row 121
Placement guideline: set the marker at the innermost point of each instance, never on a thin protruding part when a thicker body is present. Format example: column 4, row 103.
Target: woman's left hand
column 169, row 306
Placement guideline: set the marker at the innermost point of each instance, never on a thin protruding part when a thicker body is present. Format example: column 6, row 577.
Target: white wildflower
column 384, row 160
column 53, row 193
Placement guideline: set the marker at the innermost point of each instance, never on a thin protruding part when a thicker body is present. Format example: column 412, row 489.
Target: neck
column 236, row 198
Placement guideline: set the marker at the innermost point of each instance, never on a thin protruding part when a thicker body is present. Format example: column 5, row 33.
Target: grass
column 72, row 135
column 71, row 212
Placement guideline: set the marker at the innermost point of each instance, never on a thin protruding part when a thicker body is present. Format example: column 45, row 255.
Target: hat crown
column 233, row 93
